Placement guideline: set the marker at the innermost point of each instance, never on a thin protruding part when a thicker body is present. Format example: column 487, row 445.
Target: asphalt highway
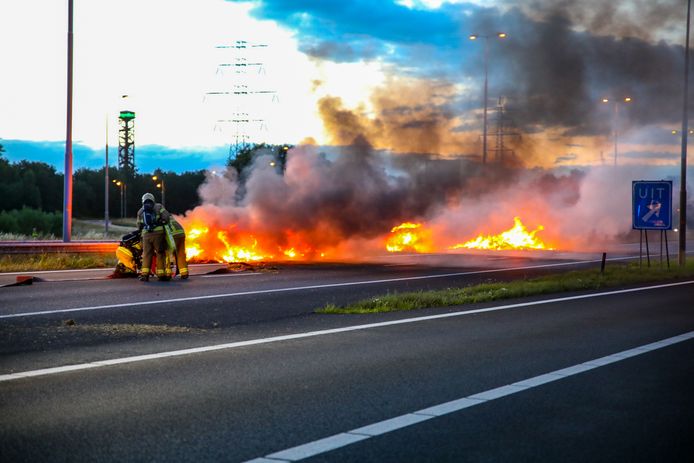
column 82, row 315
column 236, row 367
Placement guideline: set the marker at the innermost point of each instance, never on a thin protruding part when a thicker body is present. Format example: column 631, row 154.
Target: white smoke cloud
column 344, row 205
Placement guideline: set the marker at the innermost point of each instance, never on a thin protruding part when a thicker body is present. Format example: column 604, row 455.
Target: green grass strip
column 55, row 261
column 615, row 275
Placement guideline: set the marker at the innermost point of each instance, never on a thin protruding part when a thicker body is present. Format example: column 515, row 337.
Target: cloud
column 358, row 30
column 651, row 155
column 407, row 116
column 565, row 158
column 650, row 20
column 559, row 59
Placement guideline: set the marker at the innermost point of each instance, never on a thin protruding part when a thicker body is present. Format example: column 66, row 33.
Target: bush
column 31, row 222
column 8, row 222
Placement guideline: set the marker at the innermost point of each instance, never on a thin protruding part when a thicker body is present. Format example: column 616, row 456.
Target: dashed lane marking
column 344, row 439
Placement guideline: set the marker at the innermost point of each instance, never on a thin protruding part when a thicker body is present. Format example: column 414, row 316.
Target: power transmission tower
column 503, row 129
column 241, row 87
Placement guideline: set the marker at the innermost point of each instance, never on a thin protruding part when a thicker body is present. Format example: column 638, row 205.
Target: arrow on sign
column 654, row 209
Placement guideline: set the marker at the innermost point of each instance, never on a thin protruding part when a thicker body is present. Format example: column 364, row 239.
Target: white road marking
column 389, row 425
column 344, row 439
column 295, row 288
column 345, row 329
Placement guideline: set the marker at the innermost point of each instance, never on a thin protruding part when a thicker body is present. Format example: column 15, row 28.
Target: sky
column 400, row 74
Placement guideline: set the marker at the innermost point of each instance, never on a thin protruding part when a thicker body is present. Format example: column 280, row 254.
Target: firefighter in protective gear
column 151, row 219
column 179, row 236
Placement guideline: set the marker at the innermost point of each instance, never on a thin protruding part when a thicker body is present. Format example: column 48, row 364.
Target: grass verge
column 81, row 230
column 55, row 261
column 615, row 275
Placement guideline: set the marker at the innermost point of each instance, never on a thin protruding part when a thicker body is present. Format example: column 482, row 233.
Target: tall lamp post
column 163, row 188
column 500, row 35
column 67, row 183
column 122, row 187
column 615, row 120
column 683, row 167
column 106, row 183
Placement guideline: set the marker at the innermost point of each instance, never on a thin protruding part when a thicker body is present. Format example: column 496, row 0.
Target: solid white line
column 290, row 337
column 317, row 447
column 389, row 425
column 295, row 288
column 337, row 441
column 449, row 407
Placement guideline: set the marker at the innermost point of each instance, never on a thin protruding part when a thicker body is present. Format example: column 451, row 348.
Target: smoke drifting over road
column 344, row 204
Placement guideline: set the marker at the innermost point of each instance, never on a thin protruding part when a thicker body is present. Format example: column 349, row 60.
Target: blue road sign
column 651, row 205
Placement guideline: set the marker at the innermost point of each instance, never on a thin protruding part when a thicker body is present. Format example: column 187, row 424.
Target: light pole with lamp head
column 106, row 218
column 615, row 120
column 682, row 251
column 162, row 186
column 106, row 183
column 500, row 35
column 121, row 185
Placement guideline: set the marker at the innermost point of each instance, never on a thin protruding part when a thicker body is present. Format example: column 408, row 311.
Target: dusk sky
column 401, row 74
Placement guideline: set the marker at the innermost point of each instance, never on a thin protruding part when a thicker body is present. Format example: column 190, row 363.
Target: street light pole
column 616, row 130
column 106, row 183
column 615, row 122
column 67, row 184
column 486, row 98
column 501, row 35
column 161, row 185
column 683, row 164
column 121, row 185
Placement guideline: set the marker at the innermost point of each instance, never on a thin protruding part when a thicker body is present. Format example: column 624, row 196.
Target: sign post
column 652, row 210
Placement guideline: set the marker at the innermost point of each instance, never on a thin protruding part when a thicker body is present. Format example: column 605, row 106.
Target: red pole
column 67, row 186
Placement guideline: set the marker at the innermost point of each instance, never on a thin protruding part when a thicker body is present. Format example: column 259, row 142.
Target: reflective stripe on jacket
column 176, row 228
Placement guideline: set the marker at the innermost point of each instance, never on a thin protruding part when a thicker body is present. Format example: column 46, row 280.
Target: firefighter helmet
column 147, row 196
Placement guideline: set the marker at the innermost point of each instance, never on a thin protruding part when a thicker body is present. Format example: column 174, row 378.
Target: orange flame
column 237, row 253
column 517, row 237
column 205, row 243
column 209, row 243
column 193, row 249
column 409, row 236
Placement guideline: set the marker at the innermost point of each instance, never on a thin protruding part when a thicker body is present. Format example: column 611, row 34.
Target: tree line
column 37, row 186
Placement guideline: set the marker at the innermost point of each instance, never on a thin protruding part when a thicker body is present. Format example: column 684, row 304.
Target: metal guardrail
column 40, row 247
